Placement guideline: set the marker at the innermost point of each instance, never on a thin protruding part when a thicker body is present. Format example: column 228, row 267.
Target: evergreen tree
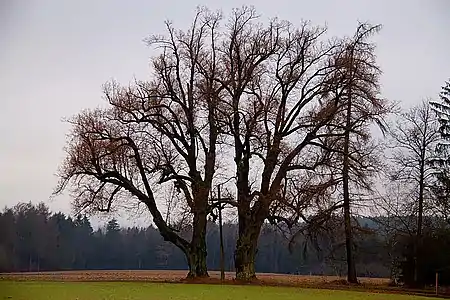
column 441, row 187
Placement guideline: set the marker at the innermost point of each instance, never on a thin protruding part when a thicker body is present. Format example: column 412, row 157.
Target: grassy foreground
column 25, row 290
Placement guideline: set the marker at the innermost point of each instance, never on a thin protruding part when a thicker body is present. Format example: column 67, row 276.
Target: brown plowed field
column 176, row 276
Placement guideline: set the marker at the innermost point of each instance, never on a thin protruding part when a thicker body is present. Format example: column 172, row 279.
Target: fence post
column 437, row 282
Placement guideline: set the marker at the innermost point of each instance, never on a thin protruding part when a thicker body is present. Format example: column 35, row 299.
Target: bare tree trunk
column 246, row 247
column 418, row 239
column 197, row 253
column 246, row 244
column 351, row 267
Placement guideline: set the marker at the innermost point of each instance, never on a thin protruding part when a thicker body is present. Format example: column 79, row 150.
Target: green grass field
column 27, row 290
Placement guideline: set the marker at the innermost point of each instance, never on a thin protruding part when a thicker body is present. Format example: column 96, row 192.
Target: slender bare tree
column 353, row 157
column 356, row 153
column 413, row 139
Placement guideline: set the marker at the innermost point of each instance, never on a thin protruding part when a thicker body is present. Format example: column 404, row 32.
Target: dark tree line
column 33, row 239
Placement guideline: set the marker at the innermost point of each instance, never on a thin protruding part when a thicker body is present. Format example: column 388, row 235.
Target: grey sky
column 55, row 55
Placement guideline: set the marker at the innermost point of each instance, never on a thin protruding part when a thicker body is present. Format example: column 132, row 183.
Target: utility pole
column 222, row 255
column 221, row 203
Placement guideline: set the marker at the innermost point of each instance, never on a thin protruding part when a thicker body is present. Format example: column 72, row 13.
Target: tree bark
column 246, row 247
column 197, row 252
column 351, row 266
column 245, row 257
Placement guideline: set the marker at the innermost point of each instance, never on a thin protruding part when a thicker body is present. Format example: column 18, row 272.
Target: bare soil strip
column 173, row 276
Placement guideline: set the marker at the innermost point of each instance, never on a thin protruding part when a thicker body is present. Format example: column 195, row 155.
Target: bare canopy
column 267, row 93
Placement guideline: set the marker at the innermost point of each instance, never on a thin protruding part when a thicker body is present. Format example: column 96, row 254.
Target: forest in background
column 34, row 239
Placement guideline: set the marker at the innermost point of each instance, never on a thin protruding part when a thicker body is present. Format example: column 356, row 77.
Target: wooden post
column 222, row 256
column 437, row 283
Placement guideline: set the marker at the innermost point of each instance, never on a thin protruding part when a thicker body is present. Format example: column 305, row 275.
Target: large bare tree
column 155, row 135
column 283, row 87
column 264, row 70
column 266, row 93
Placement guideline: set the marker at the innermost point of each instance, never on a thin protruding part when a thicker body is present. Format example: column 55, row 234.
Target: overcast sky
column 55, row 55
